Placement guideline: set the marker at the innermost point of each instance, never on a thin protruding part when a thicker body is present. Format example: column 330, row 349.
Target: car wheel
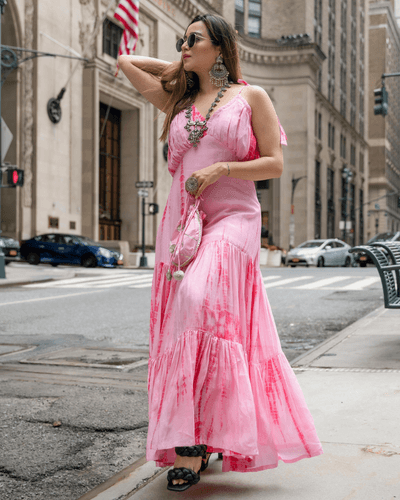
column 292, row 265
column 33, row 259
column 54, row 265
column 320, row 262
column 347, row 262
column 89, row 261
column 363, row 264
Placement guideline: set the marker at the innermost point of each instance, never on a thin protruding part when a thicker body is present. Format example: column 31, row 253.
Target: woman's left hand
column 207, row 176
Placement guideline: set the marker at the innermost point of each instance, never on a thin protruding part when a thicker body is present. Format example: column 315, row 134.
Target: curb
column 127, row 482
column 308, row 357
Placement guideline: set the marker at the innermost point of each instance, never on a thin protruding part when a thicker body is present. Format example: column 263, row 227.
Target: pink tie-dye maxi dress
column 217, row 374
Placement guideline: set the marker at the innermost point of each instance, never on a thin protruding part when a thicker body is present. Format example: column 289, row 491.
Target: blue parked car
column 58, row 249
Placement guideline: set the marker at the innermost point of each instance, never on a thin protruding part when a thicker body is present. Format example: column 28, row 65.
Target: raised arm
column 143, row 73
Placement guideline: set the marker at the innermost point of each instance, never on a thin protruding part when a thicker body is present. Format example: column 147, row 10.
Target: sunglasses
column 191, row 40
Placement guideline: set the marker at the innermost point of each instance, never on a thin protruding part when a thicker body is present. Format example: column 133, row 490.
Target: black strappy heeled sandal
column 204, row 463
column 189, row 475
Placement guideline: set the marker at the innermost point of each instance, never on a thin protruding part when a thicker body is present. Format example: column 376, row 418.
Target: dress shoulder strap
column 245, row 85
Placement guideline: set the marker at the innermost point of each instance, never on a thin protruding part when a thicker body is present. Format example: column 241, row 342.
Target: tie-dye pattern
column 217, row 373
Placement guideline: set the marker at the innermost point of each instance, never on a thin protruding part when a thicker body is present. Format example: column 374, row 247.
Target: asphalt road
column 113, row 306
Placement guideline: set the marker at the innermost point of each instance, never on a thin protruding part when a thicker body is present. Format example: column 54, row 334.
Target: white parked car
column 320, row 253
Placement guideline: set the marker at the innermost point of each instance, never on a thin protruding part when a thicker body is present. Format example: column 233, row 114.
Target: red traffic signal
column 15, row 177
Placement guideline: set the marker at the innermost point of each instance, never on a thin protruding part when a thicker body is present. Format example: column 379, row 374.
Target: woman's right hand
column 144, row 74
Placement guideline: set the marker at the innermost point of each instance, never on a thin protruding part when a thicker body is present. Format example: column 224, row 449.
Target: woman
column 218, row 379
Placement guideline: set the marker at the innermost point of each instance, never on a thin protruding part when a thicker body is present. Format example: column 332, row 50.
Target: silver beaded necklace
column 201, row 126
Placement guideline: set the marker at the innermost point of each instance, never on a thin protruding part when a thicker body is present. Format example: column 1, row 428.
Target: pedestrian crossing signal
column 15, row 177
column 153, row 208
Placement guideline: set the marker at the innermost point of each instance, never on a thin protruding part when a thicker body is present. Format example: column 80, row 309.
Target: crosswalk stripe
column 287, row 281
column 322, row 283
column 361, row 284
column 143, row 285
column 60, row 283
column 268, row 278
column 147, row 281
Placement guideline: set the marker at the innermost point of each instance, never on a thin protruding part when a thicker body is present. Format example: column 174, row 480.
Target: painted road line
column 268, row 278
column 287, row 281
column 361, row 284
column 70, row 280
column 48, row 298
column 315, row 285
column 143, row 285
column 105, row 281
column 125, row 282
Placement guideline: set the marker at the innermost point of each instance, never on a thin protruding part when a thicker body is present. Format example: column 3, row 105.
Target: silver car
column 320, row 253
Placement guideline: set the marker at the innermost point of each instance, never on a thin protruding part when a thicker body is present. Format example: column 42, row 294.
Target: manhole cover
column 125, row 359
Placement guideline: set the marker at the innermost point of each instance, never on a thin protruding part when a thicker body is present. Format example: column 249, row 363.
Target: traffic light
column 15, row 177
column 398, row 202
column 153, row 208
column 381, row 101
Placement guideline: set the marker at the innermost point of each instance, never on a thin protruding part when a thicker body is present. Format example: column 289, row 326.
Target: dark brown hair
column 173, row 79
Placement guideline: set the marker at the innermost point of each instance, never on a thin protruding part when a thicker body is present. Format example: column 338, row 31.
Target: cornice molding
column 277, row 55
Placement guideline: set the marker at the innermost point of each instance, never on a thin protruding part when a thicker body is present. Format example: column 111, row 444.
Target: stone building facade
column 80, row 173
column 384, row 132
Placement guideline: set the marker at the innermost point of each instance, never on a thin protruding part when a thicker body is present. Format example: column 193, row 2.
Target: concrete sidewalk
column 352, row 386
column 21, row 273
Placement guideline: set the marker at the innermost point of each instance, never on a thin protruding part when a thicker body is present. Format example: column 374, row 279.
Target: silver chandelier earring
column 218, row 73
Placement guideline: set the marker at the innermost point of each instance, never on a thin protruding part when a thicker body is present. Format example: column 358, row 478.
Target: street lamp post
column 347, row 175
column 3, row 3
column 291, row 224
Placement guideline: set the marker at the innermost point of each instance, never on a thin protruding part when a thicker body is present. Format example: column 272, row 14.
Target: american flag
column 127, row 13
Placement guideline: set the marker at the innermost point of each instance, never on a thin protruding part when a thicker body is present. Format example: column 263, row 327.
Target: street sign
column 144, row 184
column 348, row 225
column 6, row 139
column 143, row 192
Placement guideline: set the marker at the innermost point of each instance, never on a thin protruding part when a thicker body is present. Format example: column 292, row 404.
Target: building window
column 361, row 218
column 254, row 22
column 331, row 136
column 318, row 22
column 111, row 38
column 317, row 232
column 109, row 173
column 352, row 155
column 318, row 125
column 239, row 16
column 262, row 184
column 331, row 203
column 331, row 50
column 343, row 58
column 342, row 146
column 361, row 160
column 53, row 222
